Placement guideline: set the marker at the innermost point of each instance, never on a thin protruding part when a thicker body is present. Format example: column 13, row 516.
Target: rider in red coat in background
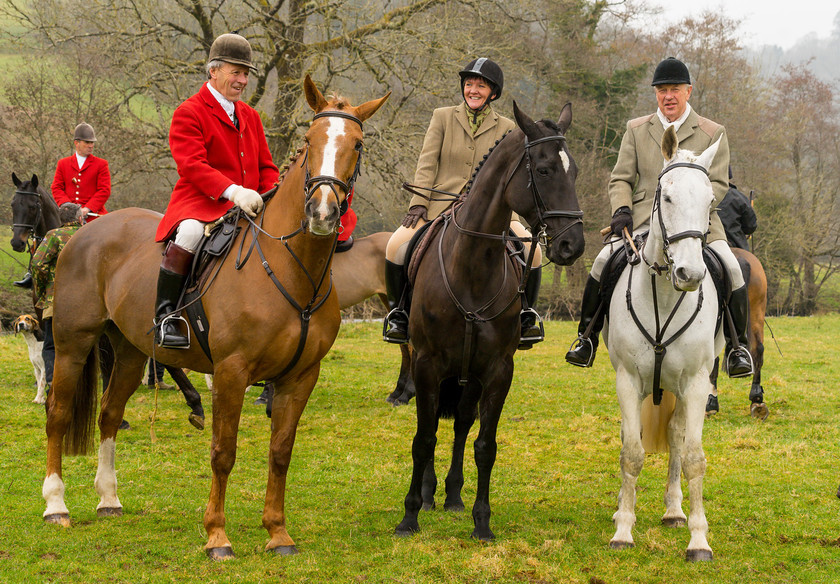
column 218, row 143
column 82, row 178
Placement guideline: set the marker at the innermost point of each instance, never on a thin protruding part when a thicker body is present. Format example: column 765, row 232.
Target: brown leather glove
column 622, row 218
column 414, row 214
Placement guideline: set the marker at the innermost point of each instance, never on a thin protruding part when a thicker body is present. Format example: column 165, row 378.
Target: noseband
column 667, row 240
column 313, row 183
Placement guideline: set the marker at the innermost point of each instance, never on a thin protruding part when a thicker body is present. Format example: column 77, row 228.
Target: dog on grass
column 27, row 325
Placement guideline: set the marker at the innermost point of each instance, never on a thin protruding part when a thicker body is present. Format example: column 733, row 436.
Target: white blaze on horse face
column 565, row 159
column 335, row 131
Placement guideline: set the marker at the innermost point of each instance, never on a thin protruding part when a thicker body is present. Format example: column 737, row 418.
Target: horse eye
column 359, row 146
column 666, row 198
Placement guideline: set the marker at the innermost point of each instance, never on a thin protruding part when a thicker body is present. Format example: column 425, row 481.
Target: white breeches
column 189, row 234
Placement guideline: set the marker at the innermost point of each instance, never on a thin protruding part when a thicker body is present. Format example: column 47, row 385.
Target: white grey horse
column 661, row 332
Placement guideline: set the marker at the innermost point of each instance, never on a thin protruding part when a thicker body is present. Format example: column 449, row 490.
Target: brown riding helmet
column 84, row 132
column 232, row 48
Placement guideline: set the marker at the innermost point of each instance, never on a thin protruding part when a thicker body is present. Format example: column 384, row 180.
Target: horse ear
column 525, row 123
column 670, row 143
column 314, row 97
column 34, row 181
column 369, row 108
column 16, row 180
column 705, row 159
column 565, row 119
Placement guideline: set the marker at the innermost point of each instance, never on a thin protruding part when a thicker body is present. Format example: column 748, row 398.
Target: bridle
column 38, row 216
column 667, row 240
column 313, row 183
column 657, row 340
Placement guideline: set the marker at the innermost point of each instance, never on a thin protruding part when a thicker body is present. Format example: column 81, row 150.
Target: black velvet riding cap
column 671, row 71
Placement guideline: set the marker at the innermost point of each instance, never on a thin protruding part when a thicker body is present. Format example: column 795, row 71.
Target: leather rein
column 38, row 218
column 543, row 213
column 658, row 341
column 311, row 184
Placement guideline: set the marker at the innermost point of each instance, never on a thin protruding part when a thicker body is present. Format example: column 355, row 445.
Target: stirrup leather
column 578, row 343
column 171, row 319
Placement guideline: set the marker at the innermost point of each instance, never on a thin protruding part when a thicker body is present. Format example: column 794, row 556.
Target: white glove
column 248, row 200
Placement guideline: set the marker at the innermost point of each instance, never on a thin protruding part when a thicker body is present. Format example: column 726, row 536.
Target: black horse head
column 549, row 201
column 34, row 212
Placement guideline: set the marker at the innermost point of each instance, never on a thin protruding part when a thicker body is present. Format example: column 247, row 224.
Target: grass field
column 769, row 490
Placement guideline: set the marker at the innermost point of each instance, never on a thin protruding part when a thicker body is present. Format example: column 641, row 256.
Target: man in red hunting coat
column 218, row 143
column 82, row 178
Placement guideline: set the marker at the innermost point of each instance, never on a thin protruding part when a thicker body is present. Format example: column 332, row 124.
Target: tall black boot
column 738, row 359
column 532, row 325
column 395, row 327
column 173, row 273
column 592, row 316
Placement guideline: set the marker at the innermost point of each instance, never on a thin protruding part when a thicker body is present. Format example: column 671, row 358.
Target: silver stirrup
column 577, row 343
column 749, row 356
column 172, row 317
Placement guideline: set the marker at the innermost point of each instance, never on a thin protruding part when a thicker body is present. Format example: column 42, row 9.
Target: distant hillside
column 823, row 54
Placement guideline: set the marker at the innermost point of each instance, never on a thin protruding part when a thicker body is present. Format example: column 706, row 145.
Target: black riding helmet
column 488, row 70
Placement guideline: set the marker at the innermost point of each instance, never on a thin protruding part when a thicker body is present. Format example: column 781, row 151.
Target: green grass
column 769, row 489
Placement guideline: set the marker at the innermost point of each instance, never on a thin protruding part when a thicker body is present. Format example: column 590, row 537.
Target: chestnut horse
column 464, row 323
column 756, row 281
column 273, row 317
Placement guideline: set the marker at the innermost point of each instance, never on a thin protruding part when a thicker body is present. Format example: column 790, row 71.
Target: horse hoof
column 220, row 553
column 260, row 401
column 483, row 536
column 453, row 507
column 197, row 421
column 406, row 529
column 62, row 519
column 759, row 411
column 621, row 545
column 428, row 506
column 284, row 550
column 109, row 512
column 698, row 555
column 673, row 521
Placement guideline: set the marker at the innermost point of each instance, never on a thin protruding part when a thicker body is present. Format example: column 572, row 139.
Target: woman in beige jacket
column 456, row 141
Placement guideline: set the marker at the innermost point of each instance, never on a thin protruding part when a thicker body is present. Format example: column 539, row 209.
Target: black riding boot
column 532, row 326
column 583, row 349
column 173, row 273
column 395, row 328
column 738, row 358
column 25, row 282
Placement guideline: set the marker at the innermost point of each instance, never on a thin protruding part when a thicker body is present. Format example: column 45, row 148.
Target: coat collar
column 489, row 122
column 217, row 109
column 689, row 126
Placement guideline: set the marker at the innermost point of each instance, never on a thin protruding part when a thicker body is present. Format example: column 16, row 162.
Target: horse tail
column 655, row 421
column 80, row 430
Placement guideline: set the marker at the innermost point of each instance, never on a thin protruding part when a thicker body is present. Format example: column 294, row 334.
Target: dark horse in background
column 756, row 281
column 464, row 323
column 34, row 212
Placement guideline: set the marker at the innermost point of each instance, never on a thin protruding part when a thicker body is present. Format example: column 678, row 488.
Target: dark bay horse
column 34, row 213
column 271, row 318
column 756, row 281
column 464, row 324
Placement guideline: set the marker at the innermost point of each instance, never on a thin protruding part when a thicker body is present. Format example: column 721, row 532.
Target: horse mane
column 292, row 159
column 469, row 185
